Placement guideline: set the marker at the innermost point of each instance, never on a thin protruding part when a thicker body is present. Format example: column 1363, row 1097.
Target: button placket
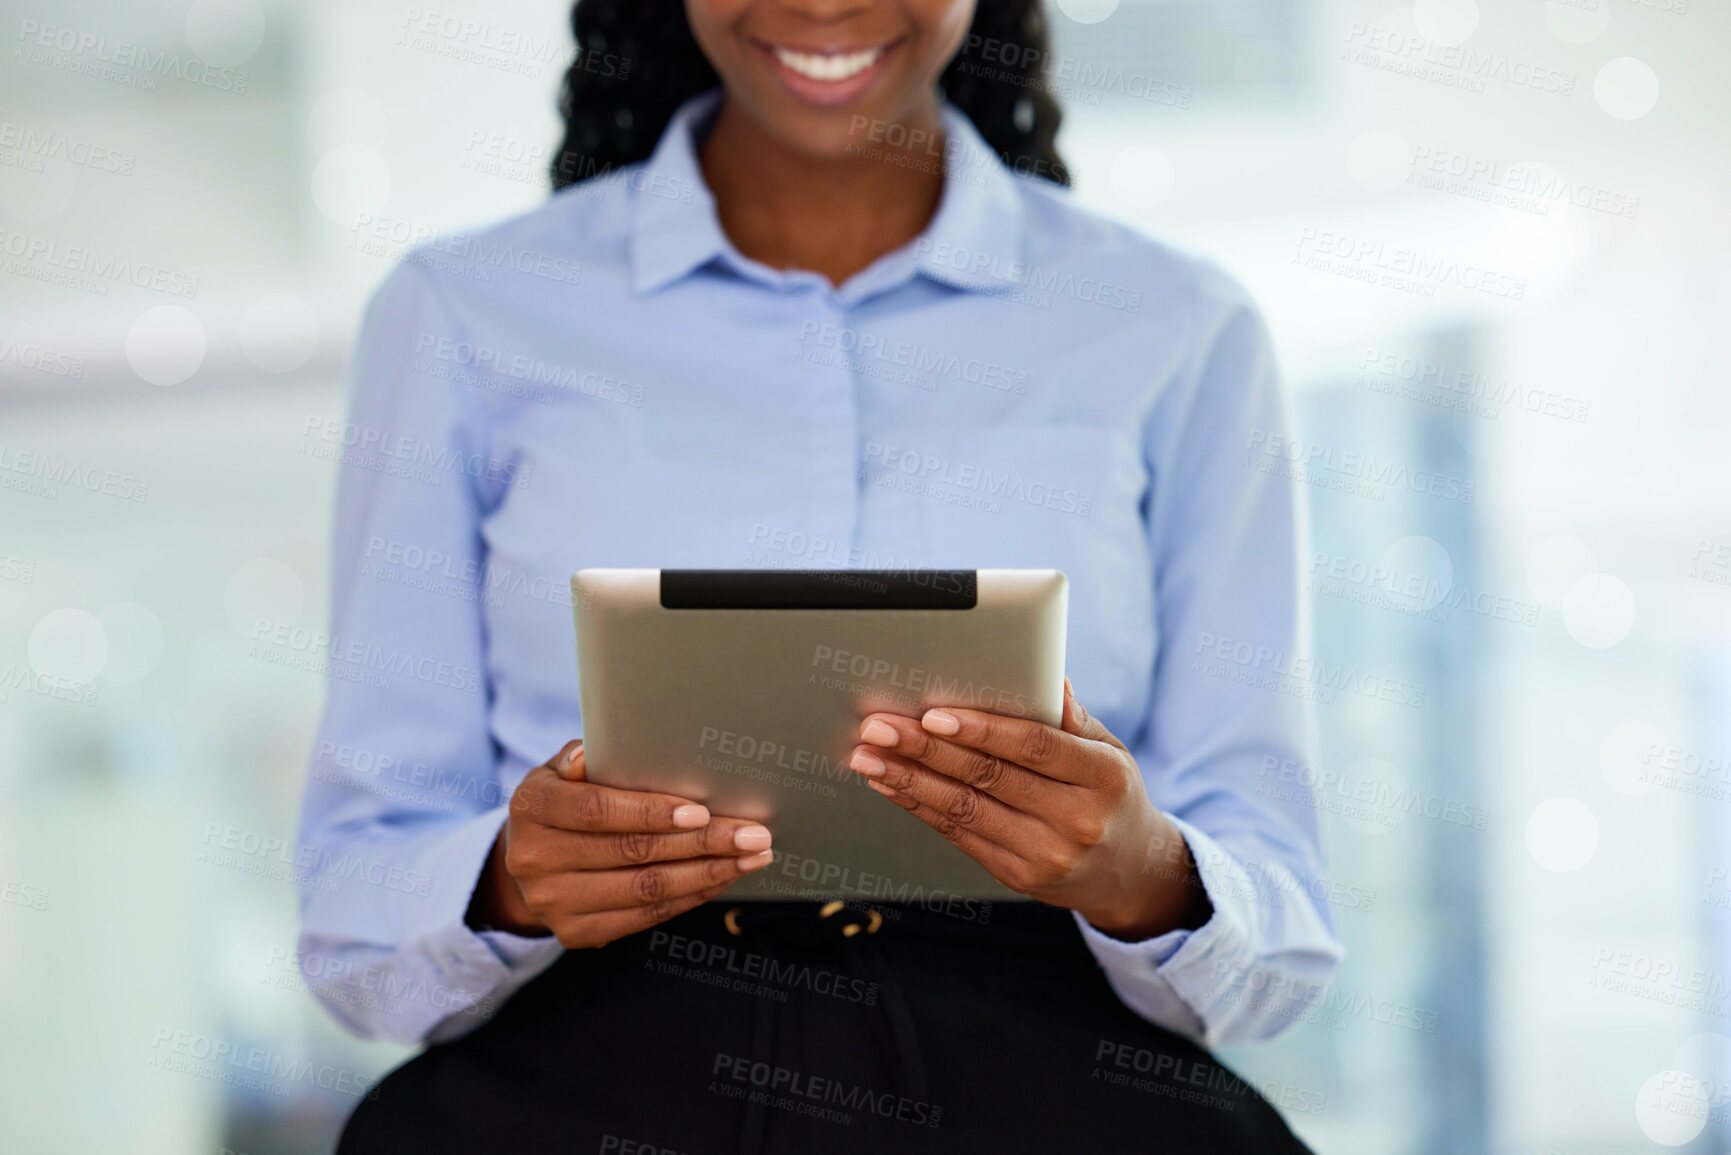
column 833, row 514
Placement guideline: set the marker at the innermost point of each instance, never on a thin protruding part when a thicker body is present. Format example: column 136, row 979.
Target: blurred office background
column 1491, row 239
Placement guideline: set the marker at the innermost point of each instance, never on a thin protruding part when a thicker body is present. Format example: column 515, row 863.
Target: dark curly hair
column 637, row 61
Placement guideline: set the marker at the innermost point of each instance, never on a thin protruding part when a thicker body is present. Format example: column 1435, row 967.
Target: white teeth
column 828, row 67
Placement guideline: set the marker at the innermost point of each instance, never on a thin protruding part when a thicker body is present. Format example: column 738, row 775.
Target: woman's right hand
column 590, row 864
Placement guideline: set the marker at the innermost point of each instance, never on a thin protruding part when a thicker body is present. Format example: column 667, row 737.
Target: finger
column 1079, row 722
column 1004, row 780
column 650, row 885
column 1025, row 742
column 1000, row 862
column 967, row 807
column 568, row 850
column 610, row 811
column 586, row 807
column 602, row 927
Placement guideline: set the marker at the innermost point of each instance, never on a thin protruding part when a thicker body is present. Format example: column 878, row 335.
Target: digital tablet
column 744, row 690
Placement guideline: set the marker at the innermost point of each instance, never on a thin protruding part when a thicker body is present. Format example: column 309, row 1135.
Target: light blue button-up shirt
column 607, row 381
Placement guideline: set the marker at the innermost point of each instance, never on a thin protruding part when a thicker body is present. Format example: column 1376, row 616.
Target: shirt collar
column 974, row 241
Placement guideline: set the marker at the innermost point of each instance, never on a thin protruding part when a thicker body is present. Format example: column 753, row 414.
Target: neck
column 833, row 215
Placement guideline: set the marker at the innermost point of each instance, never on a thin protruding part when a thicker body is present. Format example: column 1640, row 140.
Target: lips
column 827, row 76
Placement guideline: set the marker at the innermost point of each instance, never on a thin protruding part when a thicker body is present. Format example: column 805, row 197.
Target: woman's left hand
column 1058, row 813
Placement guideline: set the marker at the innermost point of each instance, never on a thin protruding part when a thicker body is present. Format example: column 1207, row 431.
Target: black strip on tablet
column 845, row 589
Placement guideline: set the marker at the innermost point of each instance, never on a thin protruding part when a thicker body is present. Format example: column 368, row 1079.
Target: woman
column 812, row 295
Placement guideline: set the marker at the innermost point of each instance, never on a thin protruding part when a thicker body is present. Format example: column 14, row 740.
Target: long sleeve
column 1229, row 717
column 403, row 801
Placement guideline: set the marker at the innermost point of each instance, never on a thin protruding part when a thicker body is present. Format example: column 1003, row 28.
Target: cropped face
column 819, row 74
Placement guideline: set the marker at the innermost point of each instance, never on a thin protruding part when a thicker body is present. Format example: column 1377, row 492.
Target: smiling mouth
column 828, row 67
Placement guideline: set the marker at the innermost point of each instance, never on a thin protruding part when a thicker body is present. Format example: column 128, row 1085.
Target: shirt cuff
column 1173, row 978
column 482, row 968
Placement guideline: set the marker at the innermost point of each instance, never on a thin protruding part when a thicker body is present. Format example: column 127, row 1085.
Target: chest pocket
column 1065, row 497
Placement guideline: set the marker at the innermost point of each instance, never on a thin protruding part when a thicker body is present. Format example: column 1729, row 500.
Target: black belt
column 854, row 931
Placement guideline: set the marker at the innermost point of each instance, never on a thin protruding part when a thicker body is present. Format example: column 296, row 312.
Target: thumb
column 570, row 763
column 1079, row 722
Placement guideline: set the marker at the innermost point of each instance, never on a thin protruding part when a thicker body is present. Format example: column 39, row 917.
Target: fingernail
column 756, row 861
column 690, row 817
column 571, row 756
column 880, row 788
column 941, row 722
column 878, row 733
column 867, row 763
column 752, row 838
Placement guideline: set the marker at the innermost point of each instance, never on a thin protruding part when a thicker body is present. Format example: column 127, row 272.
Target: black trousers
column 773, row 1027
